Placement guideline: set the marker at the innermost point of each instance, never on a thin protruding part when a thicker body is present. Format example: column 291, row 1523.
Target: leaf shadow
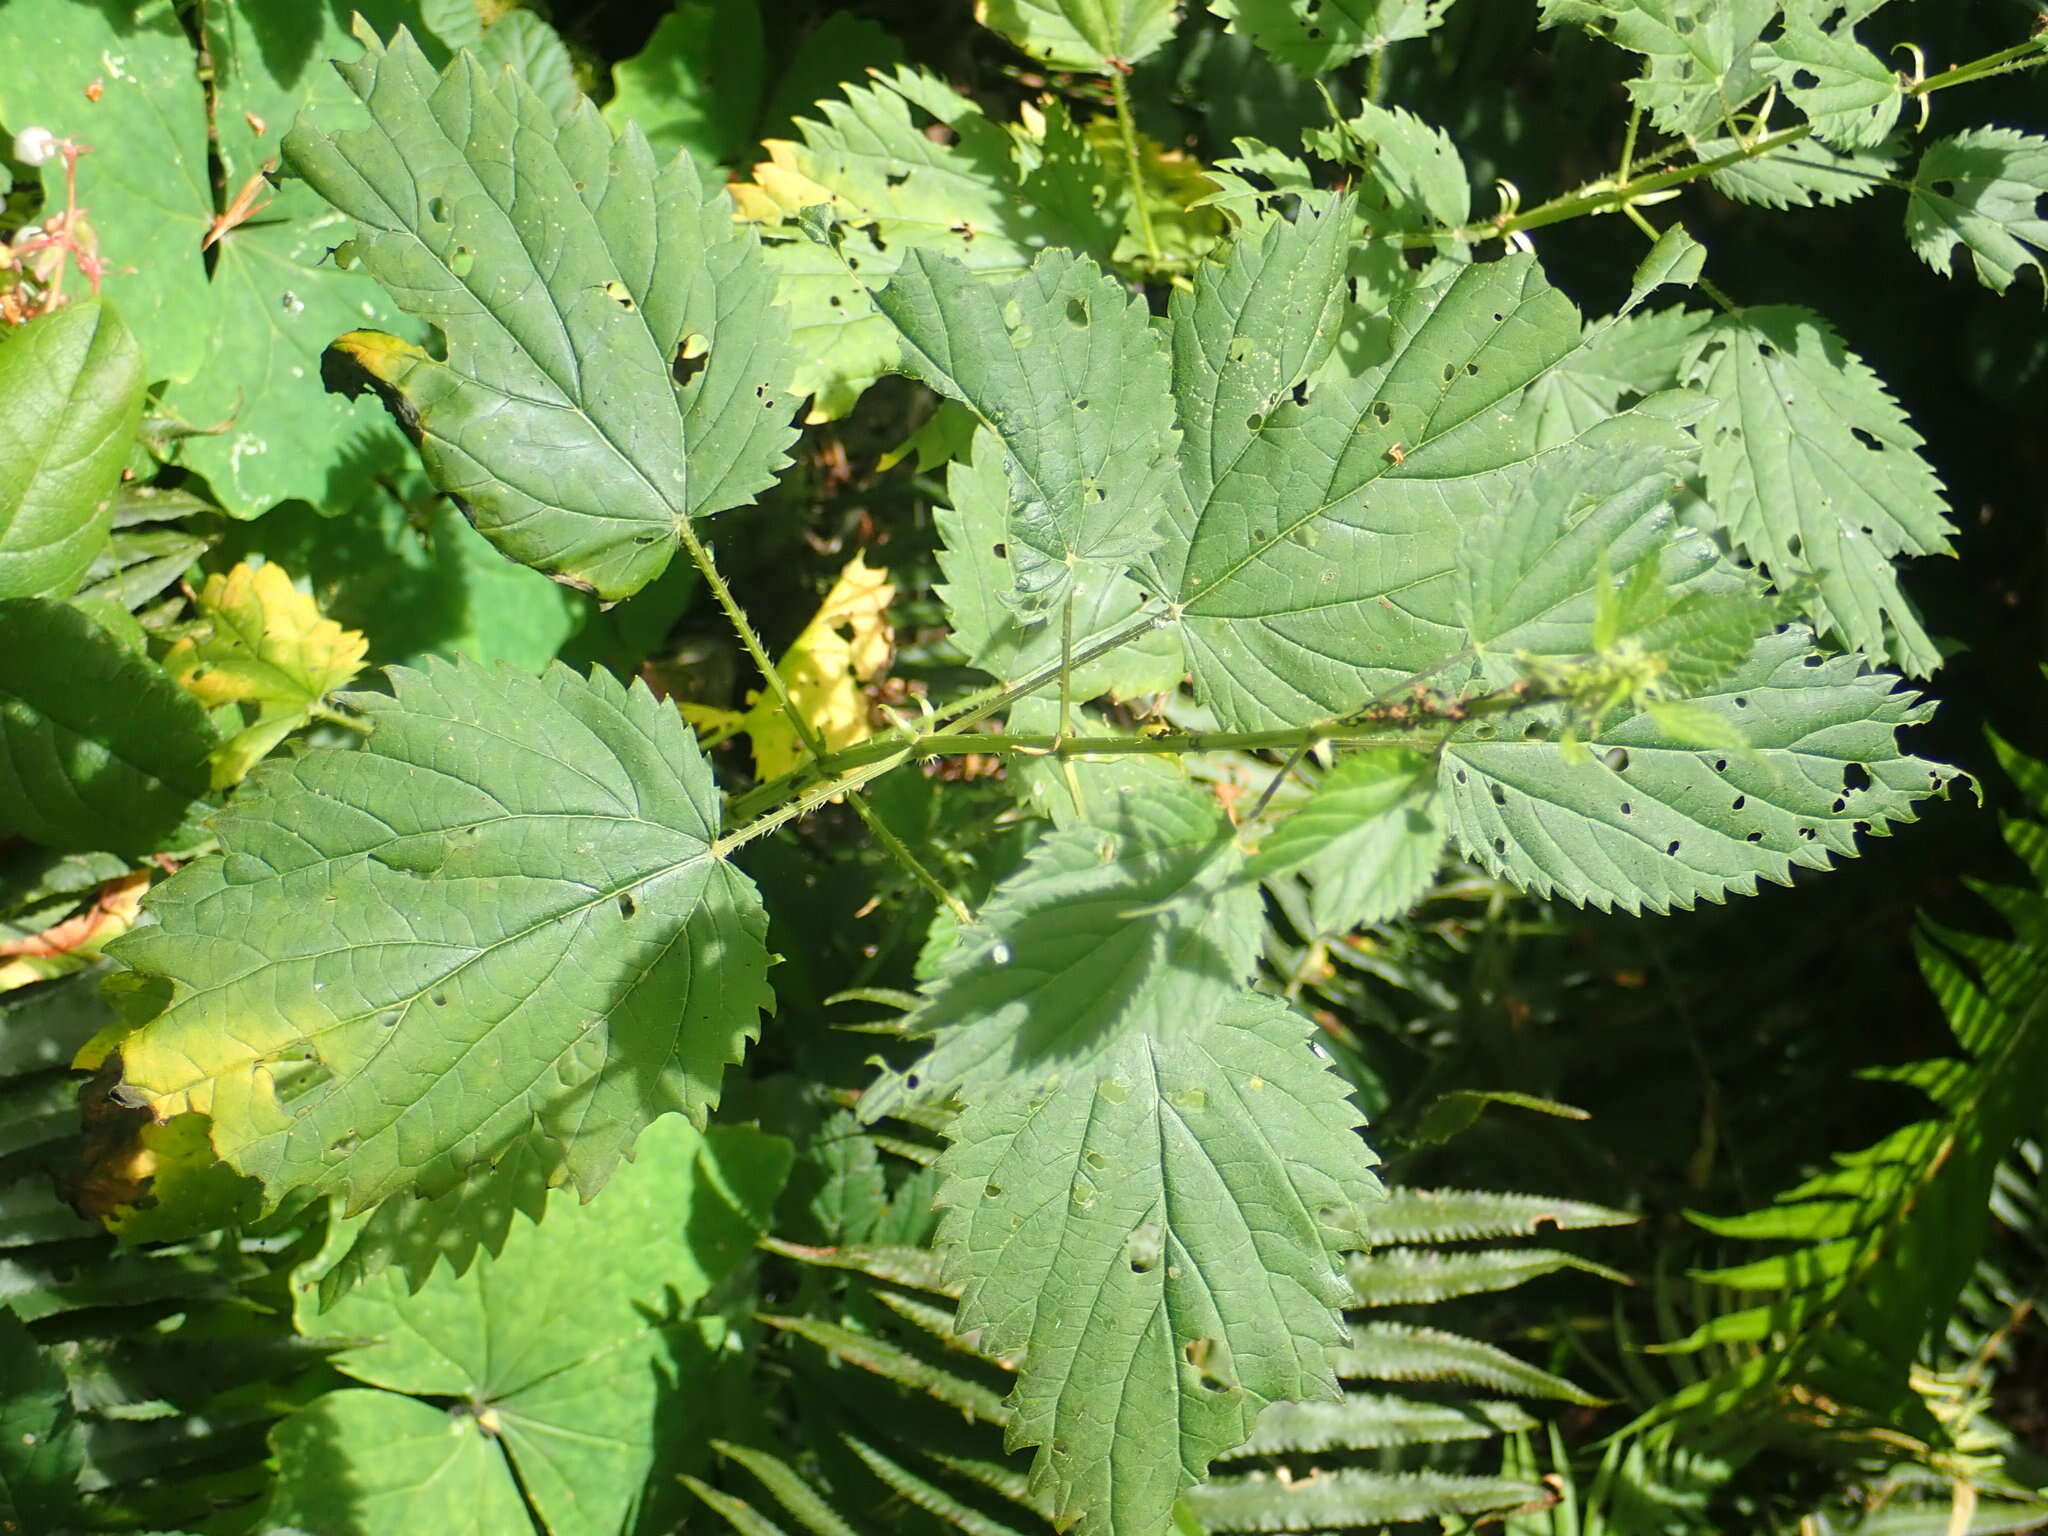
column 387, row 563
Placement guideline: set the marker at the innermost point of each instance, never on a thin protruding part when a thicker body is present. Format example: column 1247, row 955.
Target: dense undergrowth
column 1269, row 766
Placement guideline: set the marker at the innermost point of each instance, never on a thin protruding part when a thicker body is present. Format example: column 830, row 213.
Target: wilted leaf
column 265, row 645
column 846, row 644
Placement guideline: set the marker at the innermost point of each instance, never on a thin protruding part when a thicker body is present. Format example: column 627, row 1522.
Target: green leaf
column 1676, row 259
column 1637, row 354
column 146, row 180
column 1362, row 1421
column 455, row 22
column 565, row 1344
column 356, row 1462
column 1981, row 189
column 1700, row 56
column 1145, row 1224
column 1848, row 93
column 1094, row 35
column 696, row 83
column 573, row 282
column 98, row 748
column 500, row 922
column 842, row 1172
column 1135, row 923
column 1340, row 817
column 1323, row 565
column 981, row 581
column 1801, row 174
column 138, row 563
column 1812, row 469
column 1413, row 190
column 1531, row 564
column 40, row 1454
column 991, row 198
column 1251, row 328
column 1064, row 368
column 1646, row 822
column 521, row 42
column 1311, row 37
column 279, row 295
column 71, row 386
column 412, row 1234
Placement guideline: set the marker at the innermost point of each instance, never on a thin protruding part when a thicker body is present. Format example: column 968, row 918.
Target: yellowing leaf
column 266, row 646
column 780, row 189
column 845, row 645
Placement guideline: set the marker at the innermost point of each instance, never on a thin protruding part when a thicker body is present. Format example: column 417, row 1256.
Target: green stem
column 2025, row 55
column 1127, row 129
column 807, row 733
column 1618, row 192
column 886, row 836
column 700, row 556
column 1606, row 196
column 972, row 710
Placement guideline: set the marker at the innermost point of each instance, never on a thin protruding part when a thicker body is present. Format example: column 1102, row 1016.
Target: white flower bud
column 35, row 146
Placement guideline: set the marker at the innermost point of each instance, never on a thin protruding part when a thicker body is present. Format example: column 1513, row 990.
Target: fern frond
column 1838, row 1325
column 1404, row 1352
column 919, row 1268
column 1467, row 1215
column 1361, row 1421
column 738, row 1513
column 1407, row 1277
column 898, row 1365
column 789, row 1488
column 928, row 1496
column 1329, row 1501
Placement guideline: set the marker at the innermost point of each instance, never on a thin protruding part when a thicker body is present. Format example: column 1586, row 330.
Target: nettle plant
column 1604, row 607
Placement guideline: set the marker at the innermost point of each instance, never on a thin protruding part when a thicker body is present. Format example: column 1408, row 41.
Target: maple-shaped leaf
column 499, row 922
column 846, row 644
column 563, row 1347
column 266, row 646
column 615, row 358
